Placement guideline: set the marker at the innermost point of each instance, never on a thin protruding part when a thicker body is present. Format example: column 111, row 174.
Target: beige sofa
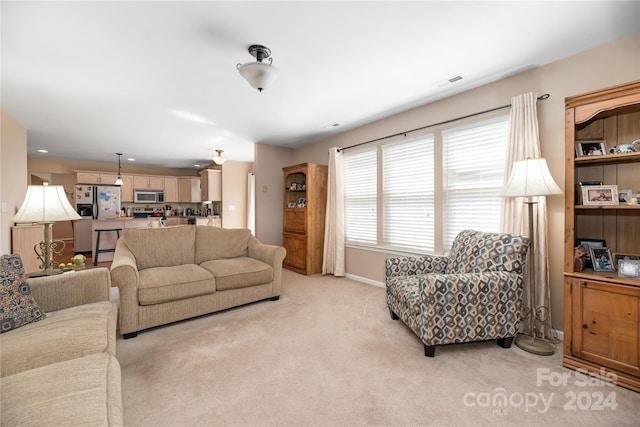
column 62, row 370
column 174, row 273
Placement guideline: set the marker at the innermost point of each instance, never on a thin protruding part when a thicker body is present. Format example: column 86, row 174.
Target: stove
column 139, row 212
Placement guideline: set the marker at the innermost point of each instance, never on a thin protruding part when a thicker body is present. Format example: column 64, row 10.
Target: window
column 474, row 164
column 418, row 194
column 360, row 196
column 408, row 198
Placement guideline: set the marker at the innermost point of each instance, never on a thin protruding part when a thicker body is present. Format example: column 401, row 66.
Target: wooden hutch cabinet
column 305, row 199
column 602, row 309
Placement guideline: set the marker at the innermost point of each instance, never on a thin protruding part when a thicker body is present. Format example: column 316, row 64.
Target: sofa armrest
column 124, row 275
column 412, row 265
column 53, row 293
column 269, row 254
column 489, row 302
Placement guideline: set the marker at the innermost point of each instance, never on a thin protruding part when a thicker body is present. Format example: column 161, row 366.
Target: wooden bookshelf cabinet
column 602, row 309
column 305, row 199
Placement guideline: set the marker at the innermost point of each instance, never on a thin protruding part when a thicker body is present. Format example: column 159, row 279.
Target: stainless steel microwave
column 148, row 196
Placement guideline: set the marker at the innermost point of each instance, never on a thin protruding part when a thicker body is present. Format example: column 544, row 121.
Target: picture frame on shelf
column 587, row 243
column 579, row 185
column 591, row 148
column 599, row 195
column 629, row 268
column 624, row 196
column 601, row 259
column 619, row 256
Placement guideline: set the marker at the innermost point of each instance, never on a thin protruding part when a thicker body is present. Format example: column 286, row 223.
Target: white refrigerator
column 93, row 202
column 101, row 201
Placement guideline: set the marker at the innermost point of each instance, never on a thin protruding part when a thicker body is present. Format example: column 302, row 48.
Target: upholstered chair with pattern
column 473, row 294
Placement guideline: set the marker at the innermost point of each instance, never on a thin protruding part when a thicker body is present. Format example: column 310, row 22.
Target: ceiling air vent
column 448, row 81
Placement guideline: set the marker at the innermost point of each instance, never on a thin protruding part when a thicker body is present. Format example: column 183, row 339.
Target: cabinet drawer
column 295, row 220
column 606, row 327
column 296, row 247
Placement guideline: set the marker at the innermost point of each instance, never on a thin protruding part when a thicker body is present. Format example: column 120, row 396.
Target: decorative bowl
column 625, row 148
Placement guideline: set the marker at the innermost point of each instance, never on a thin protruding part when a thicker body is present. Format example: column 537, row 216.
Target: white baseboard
column 365, row 280
column 560, row 334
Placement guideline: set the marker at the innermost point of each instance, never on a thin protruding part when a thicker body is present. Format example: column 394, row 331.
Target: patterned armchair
column 474, row 294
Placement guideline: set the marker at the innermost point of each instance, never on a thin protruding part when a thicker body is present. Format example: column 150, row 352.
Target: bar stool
column 98, row 250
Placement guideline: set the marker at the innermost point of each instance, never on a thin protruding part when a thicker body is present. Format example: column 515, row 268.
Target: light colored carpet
column 328, row 354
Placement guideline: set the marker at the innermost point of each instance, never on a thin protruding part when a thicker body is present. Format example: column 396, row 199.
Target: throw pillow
column 17, row 306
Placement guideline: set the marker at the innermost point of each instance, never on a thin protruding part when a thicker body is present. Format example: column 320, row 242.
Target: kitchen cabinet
column 126, row 189
column 189, row 190
column 211, row 185
column 601, row 308
column 23, row 239
column 102, row 178
column 171, row 189
column 148, row 182
column 305, row 198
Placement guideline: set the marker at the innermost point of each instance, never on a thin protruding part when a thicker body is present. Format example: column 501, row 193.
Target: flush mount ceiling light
column 259, row 74
column 119, row 180
column 218, row 159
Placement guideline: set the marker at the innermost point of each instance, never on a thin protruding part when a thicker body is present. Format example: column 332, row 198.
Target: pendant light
column 218, row 159
column 119, row 180
column 259, row 74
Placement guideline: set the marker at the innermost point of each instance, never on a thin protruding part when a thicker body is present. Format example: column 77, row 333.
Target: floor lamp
column 46, row 204
column 530, row 178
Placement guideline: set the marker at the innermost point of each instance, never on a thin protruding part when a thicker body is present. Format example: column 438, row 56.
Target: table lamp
column 46, row 204
column 530, row 178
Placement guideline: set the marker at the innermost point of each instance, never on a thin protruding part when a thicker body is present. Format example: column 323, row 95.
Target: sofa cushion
column 239, row 272
column 161, row 247
column 65, row 334
column 162, row 284
column 220, row 243
column 17, row 306
column 78, row 392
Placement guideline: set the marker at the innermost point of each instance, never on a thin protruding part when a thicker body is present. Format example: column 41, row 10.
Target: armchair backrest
column 477, row 251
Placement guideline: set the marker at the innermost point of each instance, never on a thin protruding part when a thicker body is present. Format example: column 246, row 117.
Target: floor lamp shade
column 46, row 204
column 530, row 178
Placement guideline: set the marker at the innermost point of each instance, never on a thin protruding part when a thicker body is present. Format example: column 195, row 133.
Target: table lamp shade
column 530, row 177
column 45, row 203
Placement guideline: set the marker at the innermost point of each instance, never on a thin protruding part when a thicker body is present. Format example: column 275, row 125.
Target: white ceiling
column 157, row 80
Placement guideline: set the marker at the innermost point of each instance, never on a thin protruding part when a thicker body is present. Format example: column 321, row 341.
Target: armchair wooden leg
column 429, row 350
column 505, row 342
column 393, row 315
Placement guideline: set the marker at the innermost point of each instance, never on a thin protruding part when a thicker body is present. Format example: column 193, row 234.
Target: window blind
column 408, row 199
column 360, row 196
column 474, row 163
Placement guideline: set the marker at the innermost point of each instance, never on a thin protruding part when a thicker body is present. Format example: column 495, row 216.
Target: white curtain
column 333, row 256
column 251, row 203
column 525, row 142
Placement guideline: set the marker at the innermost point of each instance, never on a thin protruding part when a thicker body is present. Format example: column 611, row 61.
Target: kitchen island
column 108, row 240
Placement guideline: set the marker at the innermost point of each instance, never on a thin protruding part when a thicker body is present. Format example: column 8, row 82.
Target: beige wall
column 13, row 174
column 66, row 166
column 611, row 64
column 234, row 193
column 269, row 191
